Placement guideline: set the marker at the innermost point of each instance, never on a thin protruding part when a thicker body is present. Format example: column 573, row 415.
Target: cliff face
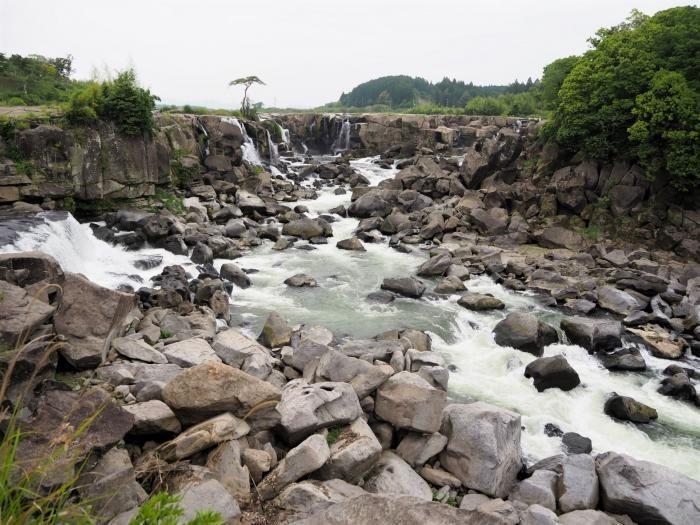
column 92, row 163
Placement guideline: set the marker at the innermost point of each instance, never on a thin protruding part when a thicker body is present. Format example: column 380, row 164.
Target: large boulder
column 88, row 317
column 628, row 409
column 538, row 489
column 648, row 493
column 406, row 286
column 20, row 315
column 483, row 448
column 190, row 352
column 595, row 335
column 391, row 475
column 306, row 408
column 275, row 332
column 312, row 496
column 364, row 377
column 307, row 228
column 552, row 372
column 559, row 237
column 480, row 302
column 211, row 388
column 523, row 331
column 237, row 350
column 619, row 301
column 577, row 485
column 408, row 401
column 435, row 266
column 353, row 453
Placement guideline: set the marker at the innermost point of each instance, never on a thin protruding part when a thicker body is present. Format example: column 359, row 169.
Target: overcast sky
column 307, row 51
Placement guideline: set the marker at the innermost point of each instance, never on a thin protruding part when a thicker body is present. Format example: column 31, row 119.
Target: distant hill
column 402, row 91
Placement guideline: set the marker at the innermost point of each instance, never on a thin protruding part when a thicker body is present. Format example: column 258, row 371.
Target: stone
column 587, row 517
column 559, row 237
column 202, row 254
column 239, row 351
column 275, row 332
column 202, row 436
column 449, row 285
column 552, row 372
column 435, row 266
column 311, row 495
column 353, row 453
column 211, row 388
column 538, row 515
column 523, row 331
column 659, row 342
column 304, row 353
column 595, row 335
column 258, row 462
column 306, row 408
column 138, row 349
column 480, row 302
column 351, row 244
column 646, row 492
column 391, row 475
column 153, row 417
column 483, row 448
column 111, row 486
column 627, row 409
column 618, row 301
column 408, row 401
column 417, row 449
column 404, row 286
column 301, row 280
column 20, row 315
column 88, row 317
column 190, row 352
column 624, row 359
column 208, row 495
column 305, row 458
column 538, row 489
column 489, row 222
column 577, row 486
column 576, row 443
column 364, row 377
column 232, row 272
column 225, row 464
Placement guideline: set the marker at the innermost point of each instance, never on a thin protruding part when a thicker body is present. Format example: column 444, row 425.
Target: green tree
column 666, row 134
column 246, row 82
column 553, row 77
column 129, row 106
column 485, row 106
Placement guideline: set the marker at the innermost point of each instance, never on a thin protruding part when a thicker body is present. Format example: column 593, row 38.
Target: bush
column 485, row 106
column 84, row 105
column 129, row 106
column 163, row 509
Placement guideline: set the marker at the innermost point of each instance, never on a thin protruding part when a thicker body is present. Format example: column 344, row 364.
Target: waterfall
column 203, row 130
column 250, row 151
column 342, row 141
column 274, row 151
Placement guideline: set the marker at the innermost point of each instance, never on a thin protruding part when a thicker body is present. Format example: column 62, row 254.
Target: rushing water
column 483, row 370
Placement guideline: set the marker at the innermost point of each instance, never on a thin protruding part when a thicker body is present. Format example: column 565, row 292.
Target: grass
column 170, row 202
column 165, row 334
column 333, row 435
column 163, row 509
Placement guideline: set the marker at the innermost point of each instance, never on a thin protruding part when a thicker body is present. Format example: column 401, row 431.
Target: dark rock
column 630, row 359
column 353, row 244
column 435, row 266
column 406, row 286
column 524, row 332
column 301, row 280
column 595, row 335
column 381, row 297
column 232, row 272
column 480, row 302
column 552, row 372
column 627, row 409
column 576, row 443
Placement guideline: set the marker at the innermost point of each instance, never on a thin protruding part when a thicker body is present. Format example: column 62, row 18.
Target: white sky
column 307, row 51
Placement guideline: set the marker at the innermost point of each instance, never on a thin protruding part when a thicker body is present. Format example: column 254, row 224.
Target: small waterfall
column 250, row 151
column 342, row 141
column 274, row 151
column 203, row 131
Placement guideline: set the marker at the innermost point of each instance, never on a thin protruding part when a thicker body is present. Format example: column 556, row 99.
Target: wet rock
column 153, row 417
column 306, row 408
column 203, row 436
column 480, row 302
column 483, row 448
column 307, row 228
column 276, row 332
column 646, row 492
column 301, row 280
column 408, row 401
column 538, row 489
column 577, row 486
column 627, row 409
column 380, row 297
column 552, row 372
column 595, row 335
column 435, row 266
column 576, row 443
column 202, row 254
column 405, row 286
column 88, row 317
column 232, row 272
column 190, row 352
column 391, row 475
column 449, row 285
column 524, row 332
column 630, row 359
column 353, row 453
column 307, row 457
column 352, row 244
column 211, row 388
column 678, row 386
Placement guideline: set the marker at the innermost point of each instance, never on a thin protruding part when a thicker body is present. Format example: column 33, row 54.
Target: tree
column 553, row 77
column 246, row 82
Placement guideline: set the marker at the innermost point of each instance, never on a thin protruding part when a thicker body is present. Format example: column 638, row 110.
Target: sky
column 306, row 51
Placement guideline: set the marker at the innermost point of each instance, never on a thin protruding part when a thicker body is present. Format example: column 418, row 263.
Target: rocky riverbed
column 345, row 340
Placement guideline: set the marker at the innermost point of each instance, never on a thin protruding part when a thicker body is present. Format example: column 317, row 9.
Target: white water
column 342, row 141
column 483, row 369
column 250, row 151
column 272, row 148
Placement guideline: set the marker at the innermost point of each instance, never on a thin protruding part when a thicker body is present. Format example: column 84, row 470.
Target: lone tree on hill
column 245, row 103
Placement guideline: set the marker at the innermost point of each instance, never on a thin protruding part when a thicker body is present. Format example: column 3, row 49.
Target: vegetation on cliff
column 36, row 80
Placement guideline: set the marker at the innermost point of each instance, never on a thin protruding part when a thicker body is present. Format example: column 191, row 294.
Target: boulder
column 353, row 453
column 587, row 517
column 276, row 332
column 450, row 284
column 559, row 237
column 417, row 449
column 435, row 266
column 190, row 352
column 138, row 349
column 538, row 515
column 480, row 302
column 237, row 350
column 207, row 495
column 618, row 301
column 89, row 316
column 595, row 335
column 364, row 377
column 301, row 280
column 20, row 315
column 628, row 409
column 405, row 286
column 307, row 228
column 538, row 489
column 483, row 448
column 311, row 495
column 153, row 417
column 646, row 492
column 391, row 475
column 660, row 342
column 577, row 486
column 524, row 332
column 408, row 401
column 352, row 244
column 232, row 272
column 552, row 372
column 211, row 388
column 305, row 458
column 202, row 436
column 224, row 462
column 489, row 222
column 624, row 359
column 576, row 443
column 306, row 408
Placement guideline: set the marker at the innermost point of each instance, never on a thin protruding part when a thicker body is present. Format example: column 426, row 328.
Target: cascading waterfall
column 274, row 151
column 342, row 141
column 250, row 151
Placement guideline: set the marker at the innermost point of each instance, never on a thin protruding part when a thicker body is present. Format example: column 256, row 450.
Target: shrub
column 84, row 105
column 129, row 106
column 163, row 509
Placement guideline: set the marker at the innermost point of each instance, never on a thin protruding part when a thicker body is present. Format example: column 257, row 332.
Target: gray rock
column 576, row 443
column 191, row 352
column 538, row 515
column 257, row 461
column 152, row 417
column 237, row 350
column 312, row 496
column 538, row 489
column 301, row 280
column 587, row 517
column 352, row 244
column 618, row 301
column 391, row 475
column 305, row 458
column 364, row 377
column 408, row 401
column 524, row 332
column 137, row 349
column 577, row 487
column 306, row 408
column 275, row 332
column 480, row 302
column 595, row 335
column 417, row 449
column 624, row 359
column 303, row 354
column 646, row 492
column 232, row 272
column 205, row 435
column 628, row 409
column 449, row 285
column 405, row 286
column 370, row 348
column 224, row 462
column 207, row 495
column 353, row 453
column 483, row 448
column 435, row 266
column 439, row 477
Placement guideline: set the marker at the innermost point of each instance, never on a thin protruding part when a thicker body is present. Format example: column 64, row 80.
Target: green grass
column 333, row 434
column 170, row 202
column 163, row 509
column 165, row 334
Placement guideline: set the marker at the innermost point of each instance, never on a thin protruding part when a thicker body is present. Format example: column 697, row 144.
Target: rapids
column 481, row 369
